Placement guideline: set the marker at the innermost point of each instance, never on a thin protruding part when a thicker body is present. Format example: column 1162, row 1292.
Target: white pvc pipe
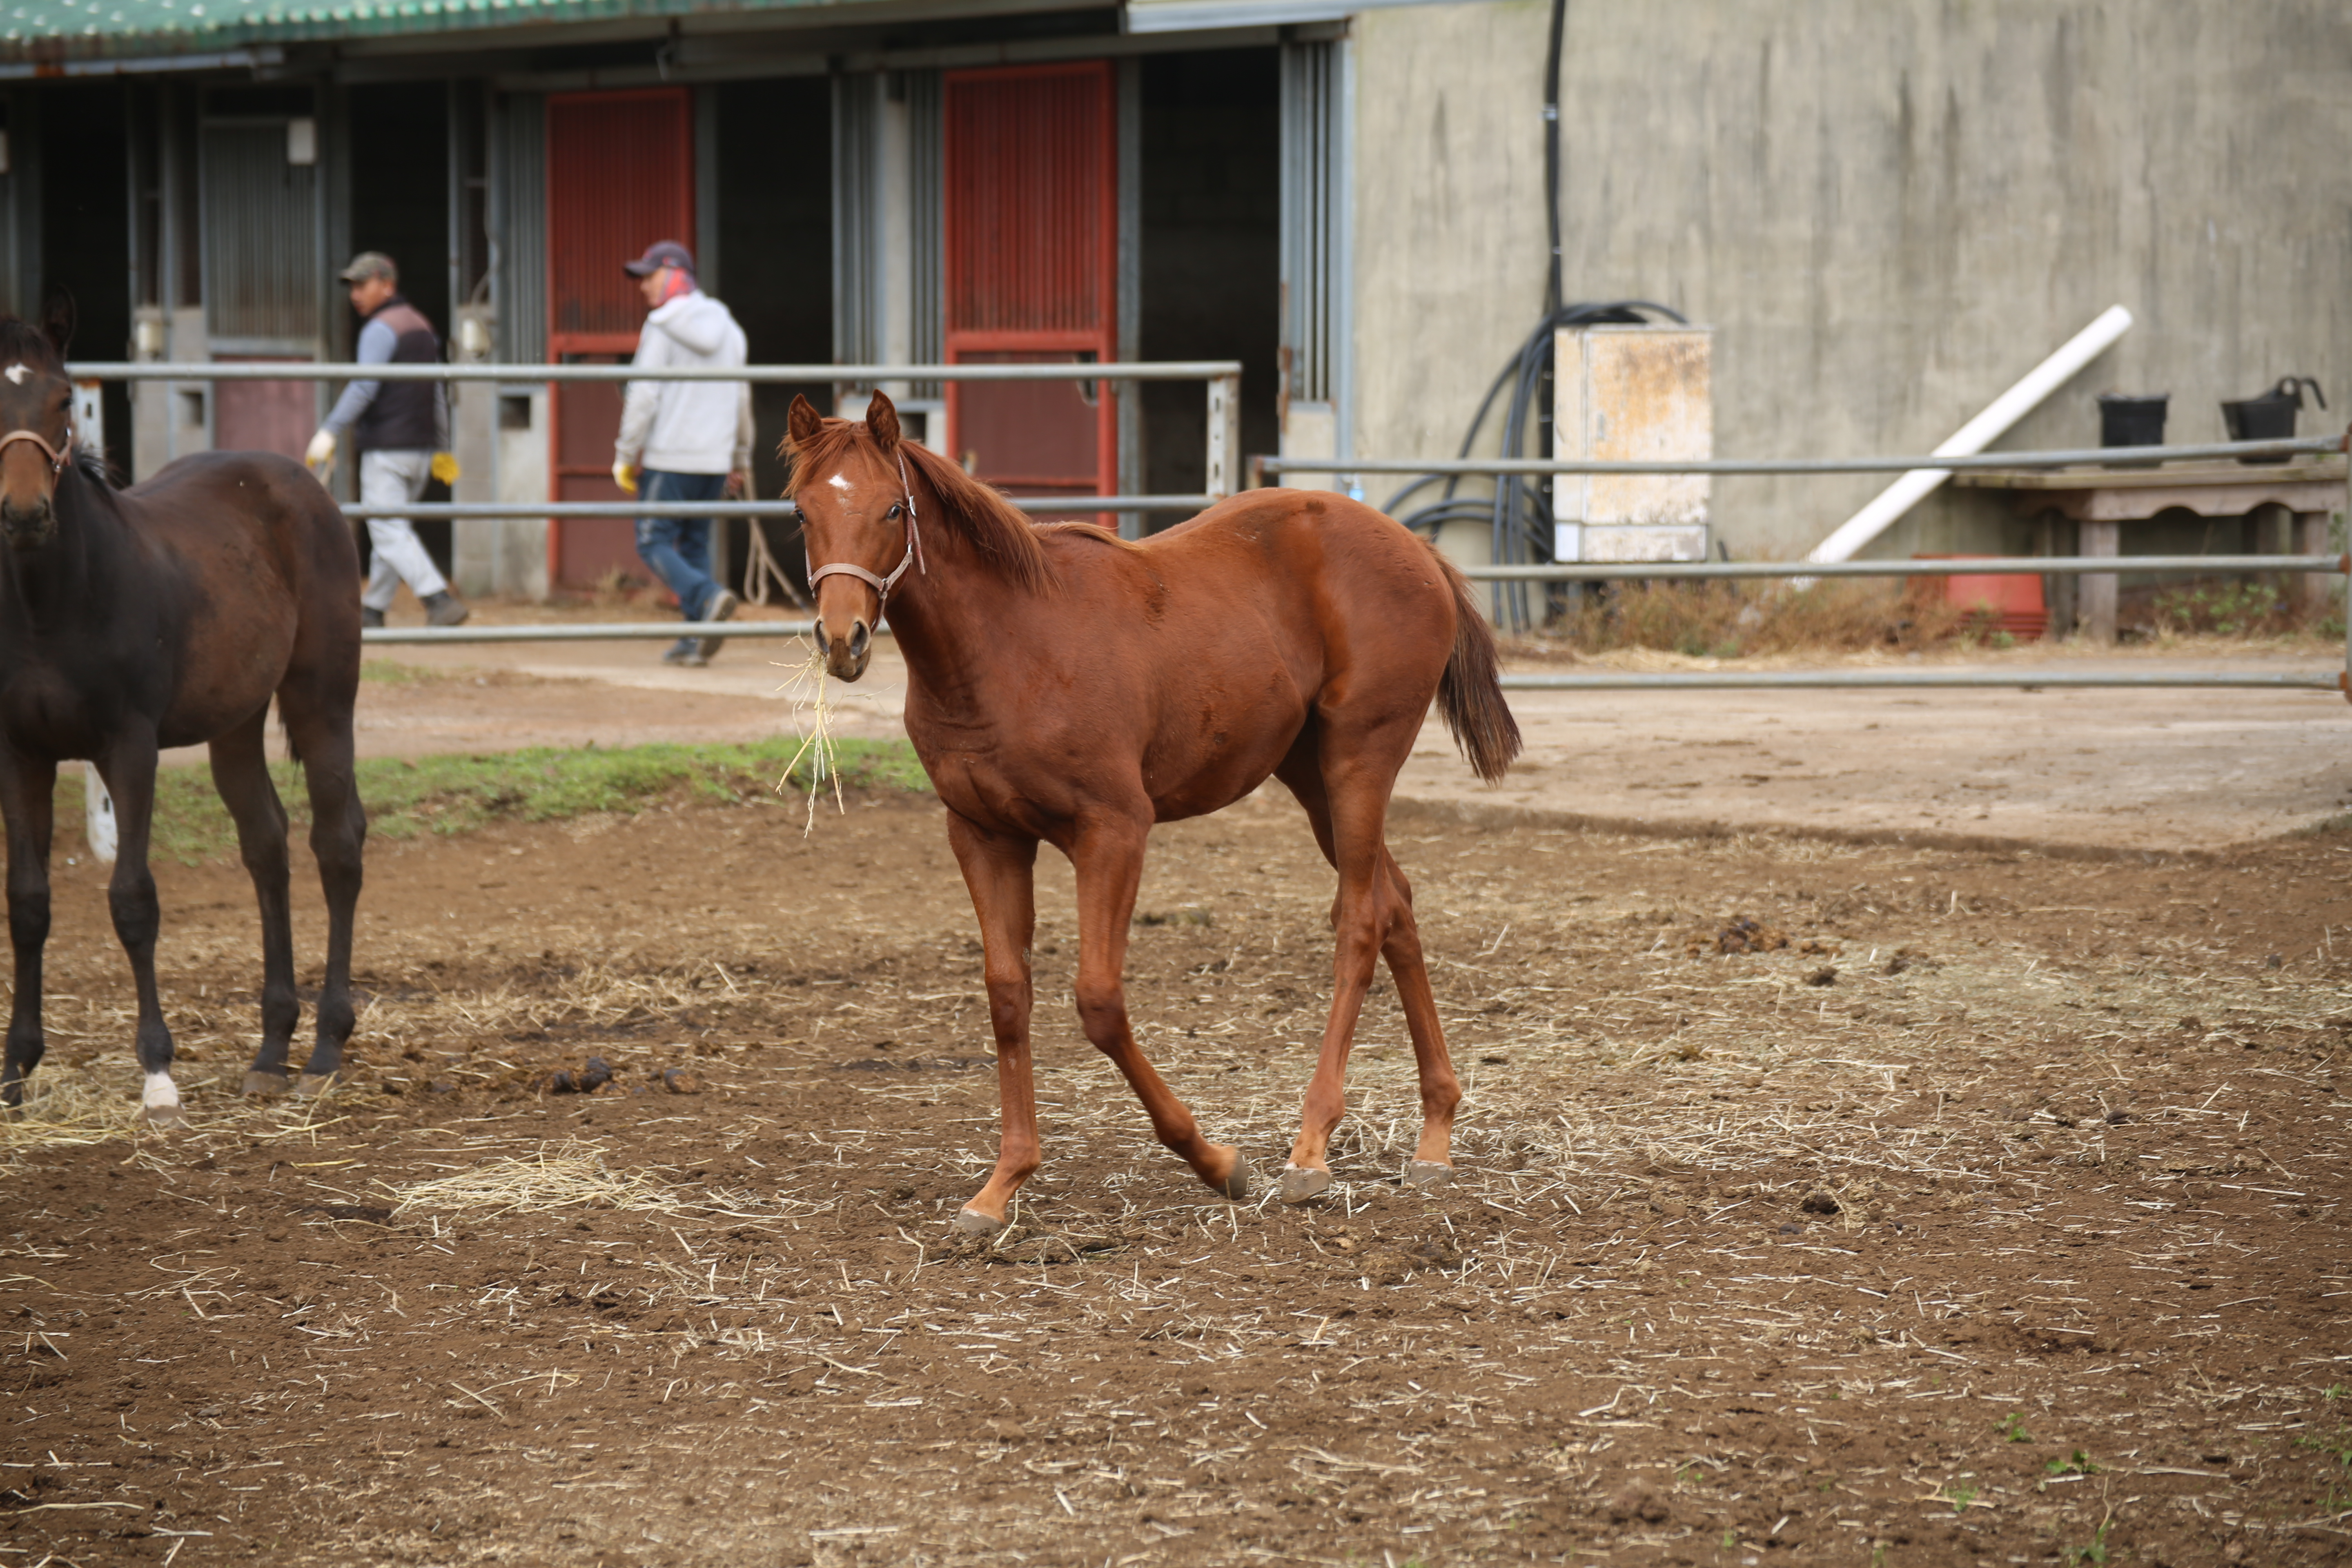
column 1975, row 434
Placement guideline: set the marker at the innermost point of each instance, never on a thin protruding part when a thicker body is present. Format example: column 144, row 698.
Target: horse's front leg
column 28, row 797
column 1109, row 857
column 130, row 772
column 1001, row 872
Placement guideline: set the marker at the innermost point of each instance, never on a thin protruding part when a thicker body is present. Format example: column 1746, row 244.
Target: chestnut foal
column 1065, row 686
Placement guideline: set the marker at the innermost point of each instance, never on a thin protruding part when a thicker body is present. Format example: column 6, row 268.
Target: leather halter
column 55, row 454
column 881, row 586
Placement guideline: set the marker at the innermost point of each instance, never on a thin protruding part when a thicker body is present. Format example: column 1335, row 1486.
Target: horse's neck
column 955, row 616
column 54, row 583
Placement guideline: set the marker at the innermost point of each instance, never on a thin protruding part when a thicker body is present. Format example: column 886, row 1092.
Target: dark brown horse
column 162, row 615
column 1065, row 686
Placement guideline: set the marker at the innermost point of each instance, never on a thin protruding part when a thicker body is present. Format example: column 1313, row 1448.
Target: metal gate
column 620, row 175
column 1032, row 242
column 264, row 270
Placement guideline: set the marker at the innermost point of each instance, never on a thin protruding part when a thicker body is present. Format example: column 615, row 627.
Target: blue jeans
column 678, row 548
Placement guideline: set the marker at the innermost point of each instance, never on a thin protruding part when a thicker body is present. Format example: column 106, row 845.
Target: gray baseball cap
column 369, row 264
column 661, row 253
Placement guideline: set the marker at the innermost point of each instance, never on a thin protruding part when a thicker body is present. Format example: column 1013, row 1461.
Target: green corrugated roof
column 62, row 30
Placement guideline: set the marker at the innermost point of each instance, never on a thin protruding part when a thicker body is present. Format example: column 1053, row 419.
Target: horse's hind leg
column 1109, row 857
column 28, row 796
column 319, row 728
column 241, row 773
column 129, row 768
column 1346, row 800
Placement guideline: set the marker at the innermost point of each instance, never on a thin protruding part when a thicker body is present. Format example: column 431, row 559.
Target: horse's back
column 268, row 581
column 1318, row 564
column 217, row 506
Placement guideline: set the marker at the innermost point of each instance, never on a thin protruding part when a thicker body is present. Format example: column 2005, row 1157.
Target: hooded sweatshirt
column 688, row 426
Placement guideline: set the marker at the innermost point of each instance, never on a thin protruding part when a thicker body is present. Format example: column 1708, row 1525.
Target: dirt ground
column 2157, row 770
column 1818, row 1203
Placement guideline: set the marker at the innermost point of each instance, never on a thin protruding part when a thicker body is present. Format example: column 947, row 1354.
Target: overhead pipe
column 1975, row 434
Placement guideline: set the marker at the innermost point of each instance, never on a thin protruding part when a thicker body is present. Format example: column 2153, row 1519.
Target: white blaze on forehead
column 18, row 371
column 840, row 482
column 161, row 1092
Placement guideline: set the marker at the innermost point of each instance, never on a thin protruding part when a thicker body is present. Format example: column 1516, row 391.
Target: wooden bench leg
column 2315, row 593
column 2095, row 605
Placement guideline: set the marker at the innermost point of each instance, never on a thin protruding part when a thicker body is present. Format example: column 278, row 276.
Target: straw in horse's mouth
column 812, row 722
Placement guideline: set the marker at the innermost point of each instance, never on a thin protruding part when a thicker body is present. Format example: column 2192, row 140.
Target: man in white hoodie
column 684, row 440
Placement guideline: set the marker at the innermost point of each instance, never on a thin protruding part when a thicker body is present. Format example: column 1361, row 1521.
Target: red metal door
column 1032, row 235
column 620, row 175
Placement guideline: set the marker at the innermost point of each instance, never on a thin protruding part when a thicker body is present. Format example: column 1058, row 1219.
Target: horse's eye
column 897, row 509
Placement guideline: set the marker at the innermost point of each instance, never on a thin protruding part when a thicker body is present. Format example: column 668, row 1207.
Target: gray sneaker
column 722, row 607
column 445, row 609
column 369, row 616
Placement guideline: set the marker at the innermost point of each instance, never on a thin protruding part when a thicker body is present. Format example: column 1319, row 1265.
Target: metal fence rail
column 1989, row 566
column 2104, row 456
column 1223, row 462
column 783, row 510
column 485, row 370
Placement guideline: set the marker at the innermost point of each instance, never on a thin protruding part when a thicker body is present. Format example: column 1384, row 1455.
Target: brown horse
column 1066, row 686
column 162, row 615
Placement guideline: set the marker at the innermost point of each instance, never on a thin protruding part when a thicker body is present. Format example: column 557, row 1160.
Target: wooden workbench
column 2103, row 499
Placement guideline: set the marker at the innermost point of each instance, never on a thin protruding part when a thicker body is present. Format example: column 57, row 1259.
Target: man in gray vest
column 401, row 431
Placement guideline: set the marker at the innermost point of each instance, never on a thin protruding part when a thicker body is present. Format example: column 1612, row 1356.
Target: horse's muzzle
column 847, row 657
column 27, row 527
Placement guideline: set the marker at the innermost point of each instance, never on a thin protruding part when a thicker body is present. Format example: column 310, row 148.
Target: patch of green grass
column 2093, row 1552
column 458, row 794
column 2012, row 1429
column 2076, row 1464
column 1959, row 1496
column 391, row 672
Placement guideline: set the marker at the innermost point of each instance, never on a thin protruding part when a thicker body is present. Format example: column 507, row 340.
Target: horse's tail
column 1470, row 693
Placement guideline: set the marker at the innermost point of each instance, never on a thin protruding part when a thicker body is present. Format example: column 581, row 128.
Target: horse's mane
column 1006, row 537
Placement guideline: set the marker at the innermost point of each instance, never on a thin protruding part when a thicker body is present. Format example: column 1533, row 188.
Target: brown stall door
column 1032, row 271
column 620, row 175
column 266, row 415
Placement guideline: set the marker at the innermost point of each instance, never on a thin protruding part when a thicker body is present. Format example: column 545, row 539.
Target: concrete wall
column 1888, row 210
column 1449, row 222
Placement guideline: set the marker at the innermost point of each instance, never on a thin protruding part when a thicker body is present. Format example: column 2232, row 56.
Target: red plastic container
column 2001, row 603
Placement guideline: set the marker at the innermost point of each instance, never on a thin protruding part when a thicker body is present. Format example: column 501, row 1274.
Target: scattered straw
column 69, row 1107
column 564, row 1176
column 813, row 723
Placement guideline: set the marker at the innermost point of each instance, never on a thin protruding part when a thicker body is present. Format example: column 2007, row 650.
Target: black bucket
column 2269, row 416
column 2128, row 421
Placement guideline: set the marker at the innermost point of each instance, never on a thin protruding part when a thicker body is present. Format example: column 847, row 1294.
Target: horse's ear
column 803, row 422
column 882, row 420
column 57, row 322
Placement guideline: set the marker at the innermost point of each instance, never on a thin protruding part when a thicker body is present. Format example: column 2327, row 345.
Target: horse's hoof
column 267, row 1085
column 971, row 1222
column 1238, row 1181
column 1428, row 1175
column 165, row 1118
column 1300, row 1182
column 310, row 1086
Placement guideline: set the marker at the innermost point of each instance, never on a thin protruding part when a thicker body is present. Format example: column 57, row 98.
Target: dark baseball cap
column 369, row 264
column 661, row 253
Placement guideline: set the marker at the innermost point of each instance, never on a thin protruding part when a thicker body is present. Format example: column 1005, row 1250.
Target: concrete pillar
column 2096, row 600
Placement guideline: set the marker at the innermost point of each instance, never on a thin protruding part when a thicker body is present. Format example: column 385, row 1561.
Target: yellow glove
column 625, row 476
column 445, row 468
column 321, row 455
